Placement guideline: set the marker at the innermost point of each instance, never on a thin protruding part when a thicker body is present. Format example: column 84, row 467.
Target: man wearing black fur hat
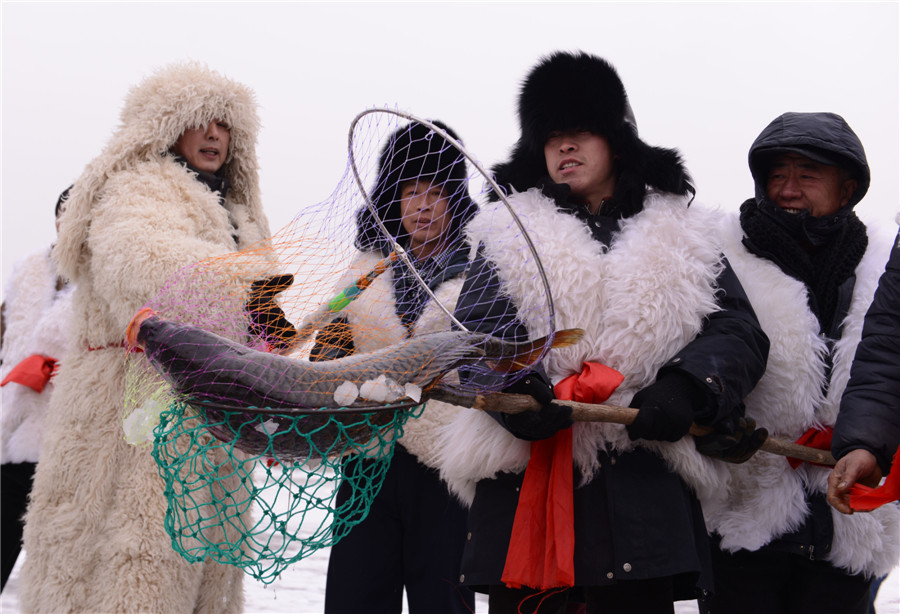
column 668, row 330
column 810, row 268
column 413, row 535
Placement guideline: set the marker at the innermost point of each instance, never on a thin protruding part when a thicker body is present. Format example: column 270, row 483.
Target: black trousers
column 655, row 596
column 772, row 582
column 413, row 537
column 15, row 484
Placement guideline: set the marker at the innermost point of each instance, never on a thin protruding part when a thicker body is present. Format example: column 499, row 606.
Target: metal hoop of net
column 255, row 409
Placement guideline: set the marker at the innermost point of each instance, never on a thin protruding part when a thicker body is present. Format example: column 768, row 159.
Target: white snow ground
column 300, row 589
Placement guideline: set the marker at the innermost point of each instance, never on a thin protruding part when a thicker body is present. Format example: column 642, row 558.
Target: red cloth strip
column 818, row 438
column 865, row 499
column 34, row 372
column 541, row 551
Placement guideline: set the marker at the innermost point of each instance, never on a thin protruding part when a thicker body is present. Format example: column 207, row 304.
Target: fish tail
column 526, row 354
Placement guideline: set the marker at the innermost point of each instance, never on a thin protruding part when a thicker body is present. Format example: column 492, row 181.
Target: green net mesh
column 260, row 511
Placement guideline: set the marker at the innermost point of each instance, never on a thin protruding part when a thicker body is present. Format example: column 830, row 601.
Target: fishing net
column 271, row 375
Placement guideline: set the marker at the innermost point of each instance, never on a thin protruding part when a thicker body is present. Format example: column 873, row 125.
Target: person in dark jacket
column 632, row 264
column 867, row 432
column 413, row 535
column 809, row 267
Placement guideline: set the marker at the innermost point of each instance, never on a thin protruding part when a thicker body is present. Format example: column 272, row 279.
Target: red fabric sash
column 865, row 499
column 34, row 372
column 817, row 438
column 541, row 551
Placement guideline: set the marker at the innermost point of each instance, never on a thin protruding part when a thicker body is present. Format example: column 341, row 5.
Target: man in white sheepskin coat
column 810, row 268
column 34, row 328
column 638, row 269
column 177, row 183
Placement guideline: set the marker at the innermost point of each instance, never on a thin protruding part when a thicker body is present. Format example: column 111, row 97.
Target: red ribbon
column 865, row 499
column 541, row 551
column 818, row 438
column 34, row 372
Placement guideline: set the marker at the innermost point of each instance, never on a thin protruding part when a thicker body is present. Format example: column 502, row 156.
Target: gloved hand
column 736, row 447
column 534, row 425
column 666, row 408
column 267, row 319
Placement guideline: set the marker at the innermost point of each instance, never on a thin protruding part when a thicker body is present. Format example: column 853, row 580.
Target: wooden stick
column 589, row 412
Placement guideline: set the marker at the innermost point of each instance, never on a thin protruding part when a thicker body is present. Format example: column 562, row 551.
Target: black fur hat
column 578, row 91
column 412, row 152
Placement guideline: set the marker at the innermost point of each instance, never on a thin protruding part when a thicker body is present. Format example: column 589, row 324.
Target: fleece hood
column 156, row 112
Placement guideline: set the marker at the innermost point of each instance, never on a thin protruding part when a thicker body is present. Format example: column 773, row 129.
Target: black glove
column 534, row 425
column 667, row 408
column 735, row 447
column 267, row 320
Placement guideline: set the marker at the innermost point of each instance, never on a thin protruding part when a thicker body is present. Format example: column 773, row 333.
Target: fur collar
column 640, row 301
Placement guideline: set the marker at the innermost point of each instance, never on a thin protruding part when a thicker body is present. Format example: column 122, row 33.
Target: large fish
column 220, row 375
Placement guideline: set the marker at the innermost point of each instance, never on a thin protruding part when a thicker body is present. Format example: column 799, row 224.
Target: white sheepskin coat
column 375, row 324
column 639, row 301
column 766, row 498
column 94, row 531
column 36, row 320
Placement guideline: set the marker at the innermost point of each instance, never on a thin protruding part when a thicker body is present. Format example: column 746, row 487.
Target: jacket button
column 462, row 578
column 627, row 566
column 676, row 360
column 469, row 536
column 709, row 380
column 610, row 575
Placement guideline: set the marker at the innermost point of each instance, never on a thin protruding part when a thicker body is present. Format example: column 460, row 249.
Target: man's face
column 584, row 161
column 796, row 183
column 205, row 148
column 423, row 207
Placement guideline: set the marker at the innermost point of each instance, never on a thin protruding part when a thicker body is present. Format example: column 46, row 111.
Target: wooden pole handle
column 591, row 412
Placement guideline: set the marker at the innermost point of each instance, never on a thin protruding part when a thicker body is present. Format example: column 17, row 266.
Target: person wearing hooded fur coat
column 810, row 275
column 94, row 529
column 413, row 535
column 644, row 278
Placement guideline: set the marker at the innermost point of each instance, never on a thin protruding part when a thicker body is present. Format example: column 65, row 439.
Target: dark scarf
column 822, row 253
column 409, row 295
column 214, row 181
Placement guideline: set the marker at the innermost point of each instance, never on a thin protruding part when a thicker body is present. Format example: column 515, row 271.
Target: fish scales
column 207, row 367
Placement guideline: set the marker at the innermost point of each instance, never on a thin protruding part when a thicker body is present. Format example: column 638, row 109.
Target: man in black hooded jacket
column 809, row 267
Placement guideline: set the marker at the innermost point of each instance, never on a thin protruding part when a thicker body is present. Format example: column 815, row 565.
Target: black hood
column 579, row 91
column 414, row 151
column 823, row 137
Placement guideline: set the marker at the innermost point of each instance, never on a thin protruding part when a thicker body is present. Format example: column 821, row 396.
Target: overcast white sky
column 704, row 77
